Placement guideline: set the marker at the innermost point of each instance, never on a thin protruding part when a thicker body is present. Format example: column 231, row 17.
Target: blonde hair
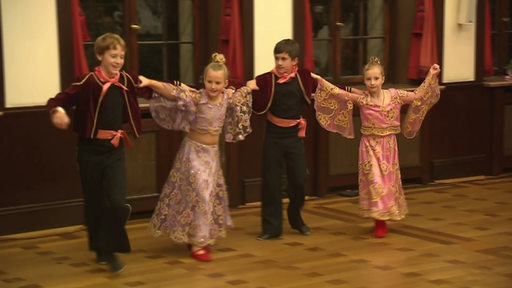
column 374, row 62
column 108, row 41
column 218, row 63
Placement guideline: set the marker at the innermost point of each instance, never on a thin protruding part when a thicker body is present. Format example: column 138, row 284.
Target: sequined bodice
column 210, row 117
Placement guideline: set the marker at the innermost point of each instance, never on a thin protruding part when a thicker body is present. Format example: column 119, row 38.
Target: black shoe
column 349, row 193
column 265, row 236
column 101, row 259
column 127, row 211
column 304, row 230
column 116, row 266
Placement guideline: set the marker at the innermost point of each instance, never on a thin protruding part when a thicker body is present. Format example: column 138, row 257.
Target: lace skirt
column 193, row 206
column 381, row 195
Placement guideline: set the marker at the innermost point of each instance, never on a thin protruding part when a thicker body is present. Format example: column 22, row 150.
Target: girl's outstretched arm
column 421, row 100
column 163, row 89
column 346, row 88
column 434, row 70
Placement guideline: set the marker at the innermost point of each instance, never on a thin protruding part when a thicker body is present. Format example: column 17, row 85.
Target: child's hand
column 143, row 81
column 316, row 76
column 435, row 70
column 188, row 88
column 230, row 91
column 252, row 84
column 60, row 119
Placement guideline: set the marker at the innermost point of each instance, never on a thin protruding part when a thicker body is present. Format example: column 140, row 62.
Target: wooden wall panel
column 507, row 131
column 460, row 132
column 38, row 173
column 39, row 176
column 500, row 92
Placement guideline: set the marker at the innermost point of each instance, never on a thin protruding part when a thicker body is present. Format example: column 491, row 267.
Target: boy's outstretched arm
column 356, row 91
column 252, row 84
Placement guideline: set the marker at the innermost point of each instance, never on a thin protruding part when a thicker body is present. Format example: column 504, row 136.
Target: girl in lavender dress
column 193, row 206
column 381, row 196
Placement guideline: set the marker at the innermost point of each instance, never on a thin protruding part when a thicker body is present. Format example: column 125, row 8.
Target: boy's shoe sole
column 128, row 211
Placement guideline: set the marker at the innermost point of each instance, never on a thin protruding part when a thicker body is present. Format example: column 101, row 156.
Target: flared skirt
column 193, row 205
column 381, row 195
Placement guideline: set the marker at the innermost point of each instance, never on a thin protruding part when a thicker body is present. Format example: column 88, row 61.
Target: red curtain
column 309, row 62
column 417, row 33
column 423, row 51
column 428, row 49
column 80, row 34
column 231, row 44
column 488, row 65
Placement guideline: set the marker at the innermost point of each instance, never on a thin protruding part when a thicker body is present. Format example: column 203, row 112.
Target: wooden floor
column 458, row 234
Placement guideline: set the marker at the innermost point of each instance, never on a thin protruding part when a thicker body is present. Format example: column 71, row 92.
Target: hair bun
column 218, row 58
column 374, row 60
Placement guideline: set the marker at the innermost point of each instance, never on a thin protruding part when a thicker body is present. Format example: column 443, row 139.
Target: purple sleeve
column 237, row 124
column 174, row 114
column 334, row 109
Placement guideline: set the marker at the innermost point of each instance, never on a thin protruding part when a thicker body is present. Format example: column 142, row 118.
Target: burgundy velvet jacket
column 262, row 98
column 84, row 96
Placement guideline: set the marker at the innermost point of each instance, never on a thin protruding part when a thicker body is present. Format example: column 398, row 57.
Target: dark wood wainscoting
column 461, row 132
column 500, row 92
column 40, row 183
column 39, row 176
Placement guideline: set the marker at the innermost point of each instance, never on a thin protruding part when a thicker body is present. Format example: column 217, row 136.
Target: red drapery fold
column 80, row 34
column 423, row 51
column 428, row 49
column 231, row 44
column 488, row 61
column 417, row 33
column 309, row 62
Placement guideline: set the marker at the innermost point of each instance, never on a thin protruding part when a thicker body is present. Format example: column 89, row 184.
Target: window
column 159, row 34
column 501, row 13
column 345, row 34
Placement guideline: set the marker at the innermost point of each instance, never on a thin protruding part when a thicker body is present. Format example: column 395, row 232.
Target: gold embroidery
column 381, row 131
column 333, row 112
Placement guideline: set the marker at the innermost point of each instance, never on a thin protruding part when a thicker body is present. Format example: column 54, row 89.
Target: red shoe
column 201, row 254
column 381, row 229
column 206, row 248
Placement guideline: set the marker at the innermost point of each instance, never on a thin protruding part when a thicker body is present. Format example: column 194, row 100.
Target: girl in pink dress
column 193, row 206
column 381, row 196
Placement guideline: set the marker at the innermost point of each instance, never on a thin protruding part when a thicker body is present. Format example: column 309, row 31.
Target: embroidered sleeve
column 334, row 108
column 420, row 101
column 174, row 114
column 237, row 124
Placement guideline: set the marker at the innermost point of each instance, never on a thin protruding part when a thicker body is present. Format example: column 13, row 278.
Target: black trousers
column 103, row 178
column 276, row 151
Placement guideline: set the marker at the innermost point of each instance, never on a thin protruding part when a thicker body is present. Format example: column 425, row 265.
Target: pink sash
column 289, row 123
column 115, row 136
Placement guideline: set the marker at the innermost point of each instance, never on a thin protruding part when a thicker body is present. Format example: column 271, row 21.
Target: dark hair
column 287, row 46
